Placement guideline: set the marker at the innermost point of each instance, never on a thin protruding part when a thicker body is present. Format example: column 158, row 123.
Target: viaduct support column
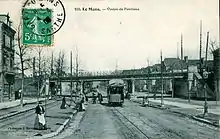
column 171, row 86
column 81, row 87
column 132, row 86
column 129, row 86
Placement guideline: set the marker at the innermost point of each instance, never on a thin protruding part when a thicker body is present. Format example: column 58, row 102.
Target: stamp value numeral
column 34, row 38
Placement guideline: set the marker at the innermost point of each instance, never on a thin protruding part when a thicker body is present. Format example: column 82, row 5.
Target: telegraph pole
column 205, row 76
column 52, row 65
column 181, row 52
column 77, row 69
column 200, row 48
column 149, row 83
column 161, row 61
column 71, row 77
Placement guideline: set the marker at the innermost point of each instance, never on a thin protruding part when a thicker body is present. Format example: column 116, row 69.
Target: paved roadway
column 135, row 122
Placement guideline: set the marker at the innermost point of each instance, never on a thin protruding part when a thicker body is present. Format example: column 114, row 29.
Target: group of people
column 40, row 122
column 79, row 104
column 99, row 96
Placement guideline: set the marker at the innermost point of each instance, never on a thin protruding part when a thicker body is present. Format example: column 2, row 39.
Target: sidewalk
column 15, row 103
column 56, row 120
column 194, row 109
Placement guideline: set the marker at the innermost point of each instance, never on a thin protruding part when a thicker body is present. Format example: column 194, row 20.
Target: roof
column 116, row 82
column 174, row 64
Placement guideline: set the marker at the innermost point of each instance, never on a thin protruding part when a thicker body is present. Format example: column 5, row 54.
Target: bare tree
column 59, row 67
column 43, row 67
column 24, row 60
column 214, row 45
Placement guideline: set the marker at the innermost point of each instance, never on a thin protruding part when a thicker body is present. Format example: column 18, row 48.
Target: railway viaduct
column 129, row 78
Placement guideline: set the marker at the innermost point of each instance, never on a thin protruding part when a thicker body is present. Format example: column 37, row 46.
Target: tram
column 115, row 92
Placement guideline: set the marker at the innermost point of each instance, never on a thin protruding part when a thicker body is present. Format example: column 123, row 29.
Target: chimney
column 181, row 46
column 178, row 50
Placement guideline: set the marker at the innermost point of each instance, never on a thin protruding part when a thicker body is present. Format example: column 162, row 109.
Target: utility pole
column 181, row 46
column 161, row 60
column 205, row 76
column 71, row 77
column 187, row 66
column 77, row 69
column 33, row 67
column 51, row 74
column 177, row 50
column 39, row 75
column 200, row 49
column 181, row 52
column 149, row 83
column 51, row 65
column 116, row 67
column 206, row 52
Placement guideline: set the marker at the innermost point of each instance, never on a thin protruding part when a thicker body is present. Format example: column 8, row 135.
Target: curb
column 151, row 105
column 187, row 115
column 59, row 130
column 205, row 121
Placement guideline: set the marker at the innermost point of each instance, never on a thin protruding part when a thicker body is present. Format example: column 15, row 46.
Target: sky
column 128, row 38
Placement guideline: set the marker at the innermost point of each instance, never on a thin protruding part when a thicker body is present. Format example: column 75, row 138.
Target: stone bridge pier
column 82, row 87
column 131, row 86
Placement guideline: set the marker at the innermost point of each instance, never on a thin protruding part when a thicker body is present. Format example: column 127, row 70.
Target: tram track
column 6, row 122
column 129, row 129
column 154, row 128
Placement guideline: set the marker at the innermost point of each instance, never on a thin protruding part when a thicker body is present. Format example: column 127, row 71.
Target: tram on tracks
column 115, row 92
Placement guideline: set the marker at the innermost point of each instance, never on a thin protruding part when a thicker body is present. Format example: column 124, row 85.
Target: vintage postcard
column 109, row 69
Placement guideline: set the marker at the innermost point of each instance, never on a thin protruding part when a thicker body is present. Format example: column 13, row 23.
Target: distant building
column 7, row 51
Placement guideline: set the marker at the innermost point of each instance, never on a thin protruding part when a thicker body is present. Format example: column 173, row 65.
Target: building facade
column 7, row 52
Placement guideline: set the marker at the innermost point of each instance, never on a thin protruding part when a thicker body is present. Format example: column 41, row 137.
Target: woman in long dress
column 63, row 104
column 40, row 122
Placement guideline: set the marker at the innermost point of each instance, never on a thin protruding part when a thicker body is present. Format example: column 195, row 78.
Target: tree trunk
column 22, row 89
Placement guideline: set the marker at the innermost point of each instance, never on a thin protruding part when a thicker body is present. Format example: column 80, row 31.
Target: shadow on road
column 112, row 105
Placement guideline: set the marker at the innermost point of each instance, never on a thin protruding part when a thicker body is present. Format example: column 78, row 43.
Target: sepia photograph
column 109, row 69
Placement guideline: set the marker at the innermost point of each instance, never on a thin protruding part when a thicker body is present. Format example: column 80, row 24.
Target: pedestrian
column 94, row 98
column 100, row 97
column 86, row 98
column 63, row 104
column 40, row 122
column 82, row 104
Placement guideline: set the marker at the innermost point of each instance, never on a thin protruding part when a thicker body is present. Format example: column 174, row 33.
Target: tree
column 214, row 45
column 24, row 59
column 43, row 66
column 59, row 67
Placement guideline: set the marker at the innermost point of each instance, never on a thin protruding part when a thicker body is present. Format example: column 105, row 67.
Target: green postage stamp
column 36, row 27
column 41, row 19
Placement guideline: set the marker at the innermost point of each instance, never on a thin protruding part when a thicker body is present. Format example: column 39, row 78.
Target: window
column 7, row 41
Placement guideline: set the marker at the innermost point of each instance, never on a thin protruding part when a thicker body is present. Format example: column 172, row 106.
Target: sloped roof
column 174, row 63
column 116, row 82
